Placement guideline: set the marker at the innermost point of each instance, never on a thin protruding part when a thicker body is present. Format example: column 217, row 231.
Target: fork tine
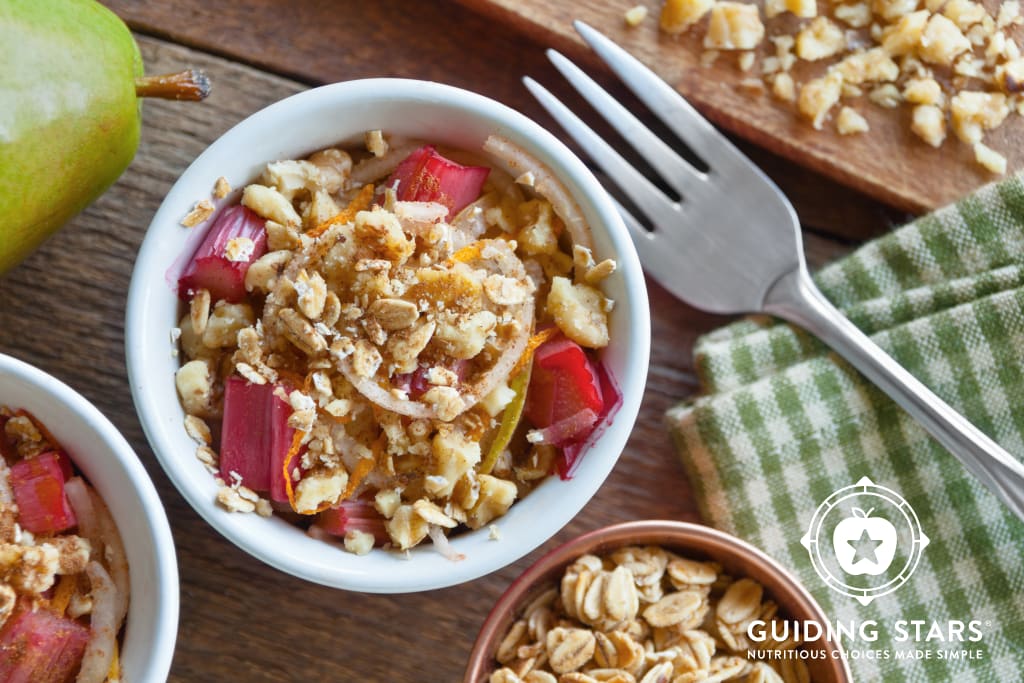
column 643, row 239
column 640, row 190
column 673, row 169
column 659, row 96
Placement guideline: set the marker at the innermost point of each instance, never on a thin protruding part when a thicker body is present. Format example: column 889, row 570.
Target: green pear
column 70, row 113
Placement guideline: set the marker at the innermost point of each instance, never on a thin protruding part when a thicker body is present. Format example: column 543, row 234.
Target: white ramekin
column 112, row 468
column 293, row 128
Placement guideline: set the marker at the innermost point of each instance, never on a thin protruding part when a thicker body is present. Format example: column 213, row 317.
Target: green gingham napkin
column 783, row 423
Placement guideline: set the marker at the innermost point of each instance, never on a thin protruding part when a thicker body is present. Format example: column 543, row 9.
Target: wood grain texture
column 889, row 162
column 63, row 311
column 322, row 41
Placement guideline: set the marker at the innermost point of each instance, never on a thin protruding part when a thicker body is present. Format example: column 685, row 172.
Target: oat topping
column 390, row 331
column 642, row 614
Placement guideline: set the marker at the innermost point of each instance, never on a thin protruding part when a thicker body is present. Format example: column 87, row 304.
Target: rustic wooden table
column 63, row 310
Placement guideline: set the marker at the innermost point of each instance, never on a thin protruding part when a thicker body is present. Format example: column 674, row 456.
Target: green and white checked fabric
column 783, row 423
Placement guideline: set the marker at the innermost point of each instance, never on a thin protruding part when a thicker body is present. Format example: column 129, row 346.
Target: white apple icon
column 864, row 544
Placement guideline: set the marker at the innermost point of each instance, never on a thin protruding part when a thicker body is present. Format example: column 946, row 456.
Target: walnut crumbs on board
column 943, row 66
column 386, row 343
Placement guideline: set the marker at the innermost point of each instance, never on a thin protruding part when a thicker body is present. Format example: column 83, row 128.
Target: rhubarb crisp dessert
column 63, row 572
column 389, row 341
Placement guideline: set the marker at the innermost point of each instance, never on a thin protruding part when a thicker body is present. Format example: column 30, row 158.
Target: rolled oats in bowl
column 389, row 342
column 643, row 614
column 655, row 601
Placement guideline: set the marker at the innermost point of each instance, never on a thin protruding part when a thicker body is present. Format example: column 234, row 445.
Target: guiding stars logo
column 865, row 540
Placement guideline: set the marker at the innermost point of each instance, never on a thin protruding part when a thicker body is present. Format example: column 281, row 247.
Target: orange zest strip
column 361, row 202
column 531, row 347
column 63, row 592
column 288, row 459
column 362, row 468
column 470, row 252
column 114, row 674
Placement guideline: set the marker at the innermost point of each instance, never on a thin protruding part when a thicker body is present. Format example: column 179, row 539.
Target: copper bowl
column 737, row 557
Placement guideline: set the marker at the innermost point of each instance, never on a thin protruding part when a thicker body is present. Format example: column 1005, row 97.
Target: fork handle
column 795, row 298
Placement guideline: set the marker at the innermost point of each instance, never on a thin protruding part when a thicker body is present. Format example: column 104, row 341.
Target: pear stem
column 191, row 84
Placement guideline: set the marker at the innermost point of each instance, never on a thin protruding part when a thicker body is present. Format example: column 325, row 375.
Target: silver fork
column 733, row 244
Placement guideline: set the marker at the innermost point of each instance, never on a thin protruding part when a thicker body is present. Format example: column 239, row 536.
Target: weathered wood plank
column 323, row 42
column 63, row 310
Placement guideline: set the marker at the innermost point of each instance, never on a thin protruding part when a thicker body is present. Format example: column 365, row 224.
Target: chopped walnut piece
column 1010, row 76
column 891, row 10
column 734, row 26
column 335, row 166
column 929, row 124
column 311, row 294
column 849, row 122
column 28, row 440
column 358, row 542
column 783, row 87
column 496, row 497
column 678, row 15
column 964, row 13
column 454, row 455
column 801, row 8
column 870, row 66
column 366, row 359
column 318, row 488
column 195, row 387
column 942, row 41
column 818, row 96
column 28, row 568
column 239, row 249
column 905, row 36
column 465, row 336
column 224, row 323
column 387, row 501
column 820, row 39
column 406, row 528
column 263, row 273
column 268, row 203
column 856, row 15
column 380, row 232
column 635, row 16
column 1009, row 13
column 923, row 91
column 579, row 311
column 886, row 95
column 446, row 401
column 989, row 159
column 973, row 112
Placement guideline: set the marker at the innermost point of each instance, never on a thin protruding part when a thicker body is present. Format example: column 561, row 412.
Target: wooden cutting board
column 889, row 162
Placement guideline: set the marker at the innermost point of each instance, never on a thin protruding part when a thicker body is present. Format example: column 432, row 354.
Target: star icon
column 865, row 547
